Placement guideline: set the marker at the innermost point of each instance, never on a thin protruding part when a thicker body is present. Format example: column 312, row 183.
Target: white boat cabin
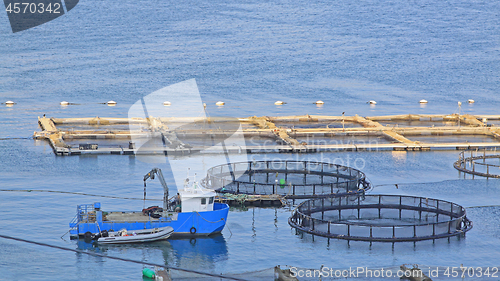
column 195, row 198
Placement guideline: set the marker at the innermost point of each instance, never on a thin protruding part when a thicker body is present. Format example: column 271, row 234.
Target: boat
column 137, row 236
column 192, row 212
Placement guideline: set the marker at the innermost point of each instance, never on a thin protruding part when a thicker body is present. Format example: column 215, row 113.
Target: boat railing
column 85, row 213
column 74, row 222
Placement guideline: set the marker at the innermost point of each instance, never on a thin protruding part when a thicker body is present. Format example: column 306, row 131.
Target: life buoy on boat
column 192, row 230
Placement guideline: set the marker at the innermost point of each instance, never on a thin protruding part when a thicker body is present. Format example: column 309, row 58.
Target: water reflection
column 201, row 253
column 398, row 157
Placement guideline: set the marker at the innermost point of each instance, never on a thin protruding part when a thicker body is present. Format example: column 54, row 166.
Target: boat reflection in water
column 203, row 252
column 200, row 253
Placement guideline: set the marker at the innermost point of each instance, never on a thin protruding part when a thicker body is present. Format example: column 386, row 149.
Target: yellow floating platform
column 288, row 134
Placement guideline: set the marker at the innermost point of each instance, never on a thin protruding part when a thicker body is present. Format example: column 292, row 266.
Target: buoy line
column 66, row 103
column 120, row 259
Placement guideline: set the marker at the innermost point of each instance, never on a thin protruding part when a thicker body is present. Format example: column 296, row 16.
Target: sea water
column 247, row 54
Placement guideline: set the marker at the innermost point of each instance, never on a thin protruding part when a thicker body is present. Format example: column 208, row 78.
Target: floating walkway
column 283, row 134
column 238, row 200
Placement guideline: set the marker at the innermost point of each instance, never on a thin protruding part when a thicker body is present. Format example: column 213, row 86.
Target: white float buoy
column 279, row 102
column 459, row 103
column 220, row 103
column 9, row 102
column 320, row 102
column 423, row 101
column 64, row 103
column 111, row 103
column 470, row 101
column 167, row 103
column 372, row 102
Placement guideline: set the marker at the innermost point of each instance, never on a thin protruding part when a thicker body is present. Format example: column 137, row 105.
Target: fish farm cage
column 484, row 163
column 380, row 218
column 289, row 179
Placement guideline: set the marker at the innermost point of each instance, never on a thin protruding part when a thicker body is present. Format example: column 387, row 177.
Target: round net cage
column 479, row 163
column 380, row 218
column 290, row 179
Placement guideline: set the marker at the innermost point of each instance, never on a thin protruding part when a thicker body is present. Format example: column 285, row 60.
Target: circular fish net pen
column 290, row 179
column 380, row 218
column 479, row 164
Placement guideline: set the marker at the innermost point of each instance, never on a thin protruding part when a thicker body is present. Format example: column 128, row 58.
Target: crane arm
column 151, row 175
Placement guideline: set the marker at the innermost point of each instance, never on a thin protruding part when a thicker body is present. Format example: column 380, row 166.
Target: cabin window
column 211, row 201
column 203, row 201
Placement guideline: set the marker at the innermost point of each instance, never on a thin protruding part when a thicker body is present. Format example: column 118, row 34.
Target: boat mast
column 151, row 175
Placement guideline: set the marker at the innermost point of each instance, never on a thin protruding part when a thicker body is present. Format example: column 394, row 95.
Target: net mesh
column 380, row 218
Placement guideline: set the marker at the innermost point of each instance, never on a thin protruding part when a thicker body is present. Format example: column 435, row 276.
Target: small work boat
column 137, row 236
column 191, row 213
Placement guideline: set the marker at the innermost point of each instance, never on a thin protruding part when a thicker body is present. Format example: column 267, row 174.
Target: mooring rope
column 222, row 219
column 121, row 259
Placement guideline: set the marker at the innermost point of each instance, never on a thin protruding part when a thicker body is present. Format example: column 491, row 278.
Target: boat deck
column 133, row 217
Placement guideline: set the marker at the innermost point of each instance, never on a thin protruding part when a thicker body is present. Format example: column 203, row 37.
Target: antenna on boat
column 186, row 181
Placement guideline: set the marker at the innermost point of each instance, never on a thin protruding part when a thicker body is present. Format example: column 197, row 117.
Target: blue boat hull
column 187, row 224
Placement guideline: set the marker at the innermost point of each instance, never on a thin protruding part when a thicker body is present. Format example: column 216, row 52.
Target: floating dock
column 283, row 134
column 237, row 200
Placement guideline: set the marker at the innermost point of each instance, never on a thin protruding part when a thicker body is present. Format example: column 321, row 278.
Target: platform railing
column 86, row 213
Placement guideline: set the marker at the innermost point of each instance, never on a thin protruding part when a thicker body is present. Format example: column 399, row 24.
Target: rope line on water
column 26, row 138
column 75, row 193
column 486, row 206
column 120, row 259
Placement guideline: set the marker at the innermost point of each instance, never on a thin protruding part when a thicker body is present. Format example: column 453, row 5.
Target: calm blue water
column 249, row 55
